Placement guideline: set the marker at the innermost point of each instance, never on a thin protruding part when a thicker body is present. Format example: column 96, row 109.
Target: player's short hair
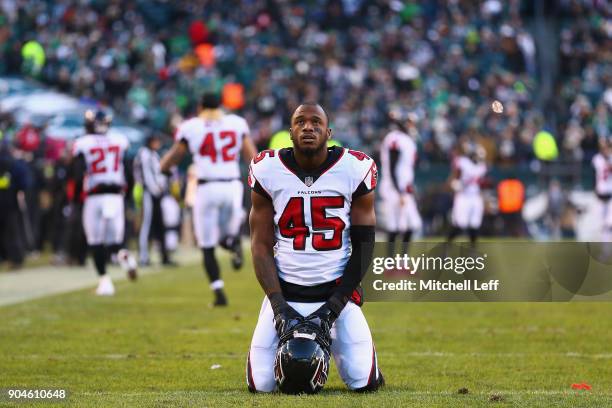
column 152, row 137
column 210, row 100
column 312, row 103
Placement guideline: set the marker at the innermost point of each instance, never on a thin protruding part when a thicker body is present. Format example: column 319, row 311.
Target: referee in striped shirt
column 147, row 172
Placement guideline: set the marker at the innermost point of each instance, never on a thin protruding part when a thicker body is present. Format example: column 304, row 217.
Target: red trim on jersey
column 322, row 172
column 265, row 190
column 334, row 163
column 250, row 381
column 372, row 378
column 287, row 167
column 356, row 297
column 374, row 183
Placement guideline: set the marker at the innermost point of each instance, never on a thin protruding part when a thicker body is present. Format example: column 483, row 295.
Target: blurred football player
column 215, row 140
column 468, row 171
column 602, row 163
column 398, row 154
column 98, row 161
column 312, row 239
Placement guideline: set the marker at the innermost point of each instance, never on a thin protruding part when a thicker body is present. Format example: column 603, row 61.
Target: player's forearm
column 248, row 150
column 171, row 158
column 265, row 269
column 261, row 223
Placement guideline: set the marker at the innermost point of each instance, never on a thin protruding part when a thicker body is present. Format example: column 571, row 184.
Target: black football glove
column 285, row 317
column 328, row 312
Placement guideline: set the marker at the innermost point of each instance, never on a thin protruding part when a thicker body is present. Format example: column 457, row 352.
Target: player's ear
column 329, row 133
column 290, row 133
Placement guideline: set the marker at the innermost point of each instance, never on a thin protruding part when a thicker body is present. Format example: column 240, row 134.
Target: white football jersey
column 404, row 170
column 603, row 174
column 470, row 174
column 215, row 145
column 312, row 210
column 103, row 158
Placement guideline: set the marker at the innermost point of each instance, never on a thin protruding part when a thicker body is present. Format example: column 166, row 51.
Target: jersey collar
column 309, row 178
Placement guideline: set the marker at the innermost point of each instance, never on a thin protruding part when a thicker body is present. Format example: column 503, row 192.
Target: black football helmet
column 302, row 359
column 97, row 121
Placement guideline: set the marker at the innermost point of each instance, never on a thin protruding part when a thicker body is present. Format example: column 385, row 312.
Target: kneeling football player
column 312, row 238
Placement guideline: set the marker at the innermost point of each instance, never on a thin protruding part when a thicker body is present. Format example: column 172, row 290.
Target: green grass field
column 154, row 343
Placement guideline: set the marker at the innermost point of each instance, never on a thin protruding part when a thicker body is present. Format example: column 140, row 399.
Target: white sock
column 218, row 284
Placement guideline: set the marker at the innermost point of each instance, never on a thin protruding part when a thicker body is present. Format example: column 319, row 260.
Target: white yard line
column 27, row 284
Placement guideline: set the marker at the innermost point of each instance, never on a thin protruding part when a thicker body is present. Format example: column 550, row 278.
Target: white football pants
column 212, row 199
column 352, row 347
column 467, row 211
column 104, row 219
column 400, row 218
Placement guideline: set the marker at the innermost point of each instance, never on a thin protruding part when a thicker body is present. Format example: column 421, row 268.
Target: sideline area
column 37, row 282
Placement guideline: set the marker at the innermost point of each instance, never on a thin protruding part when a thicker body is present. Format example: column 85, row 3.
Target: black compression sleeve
column 277, row 302
column 362, row 242
column 394, row 159
column 79, row 168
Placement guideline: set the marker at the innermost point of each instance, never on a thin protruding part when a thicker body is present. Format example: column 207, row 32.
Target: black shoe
column 170, row 264
column 132, row 274
column 237, row 259
column 220, row 299
column 227, row 242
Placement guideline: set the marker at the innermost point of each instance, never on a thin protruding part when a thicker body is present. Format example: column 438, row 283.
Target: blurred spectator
column 58, row 222
column 28, row 138
column 355, row 57
column 556, row 206
column 510, row 198
column 13, row 181
column 586, row 79
column 444, row 60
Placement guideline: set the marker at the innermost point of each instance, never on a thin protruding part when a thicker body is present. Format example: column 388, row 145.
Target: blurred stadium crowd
column 548, row 62
column 444, row 59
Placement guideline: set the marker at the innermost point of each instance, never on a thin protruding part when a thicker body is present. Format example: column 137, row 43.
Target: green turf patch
column 156, row 341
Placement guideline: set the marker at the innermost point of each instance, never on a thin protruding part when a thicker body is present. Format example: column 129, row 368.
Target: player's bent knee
column 260, row 371
column 260, row 384
column 254, row 390
column 374, row 383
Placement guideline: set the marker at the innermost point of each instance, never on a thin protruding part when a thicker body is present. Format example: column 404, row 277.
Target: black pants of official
column 11, row 246
column 152, row 227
